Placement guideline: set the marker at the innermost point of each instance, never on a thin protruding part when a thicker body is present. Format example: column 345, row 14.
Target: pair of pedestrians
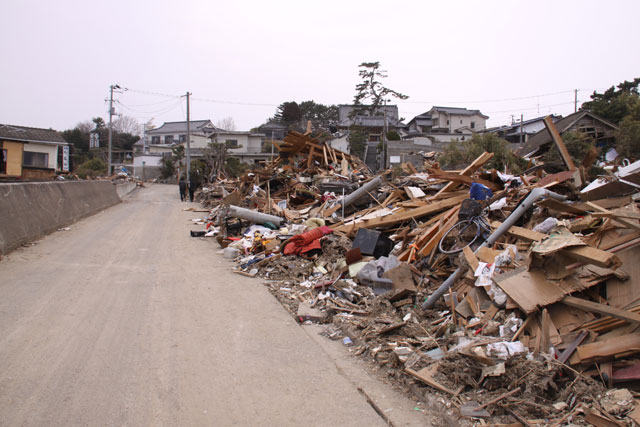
column 184, row 187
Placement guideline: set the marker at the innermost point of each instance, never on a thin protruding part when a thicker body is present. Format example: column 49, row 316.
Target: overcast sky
column 243, row 58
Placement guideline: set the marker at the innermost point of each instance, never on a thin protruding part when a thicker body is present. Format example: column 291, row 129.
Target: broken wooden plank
column 557, row 139
column 426, row 376
column 532, row 290
column 403, row 215
column 589, row 254
column 606, row 349
column 450, row 176
column 521, row 233
column 625, row 222
column 606, row 310
column 468, row 171
column 566, row 354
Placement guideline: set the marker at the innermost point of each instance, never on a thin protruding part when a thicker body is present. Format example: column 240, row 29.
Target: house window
column 447, row 122
column 182, row 138
column 168, row 139
column 232, row 143
column 155, row 140
column 473, row 125
column 36, row 160
column 460, row 121
column 3, row 161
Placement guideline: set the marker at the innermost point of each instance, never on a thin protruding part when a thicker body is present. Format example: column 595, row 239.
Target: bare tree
column 227, row 123
column 86, row 126
column 215, row 155
column 127, row 124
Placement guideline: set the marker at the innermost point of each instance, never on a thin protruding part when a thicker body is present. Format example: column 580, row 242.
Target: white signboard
column 94, row 140
column 65, row 158
column 394, row 159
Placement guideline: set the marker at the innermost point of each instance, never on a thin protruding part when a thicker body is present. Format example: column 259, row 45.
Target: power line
column 219, row 101
column 488, row 100
column 160, row 111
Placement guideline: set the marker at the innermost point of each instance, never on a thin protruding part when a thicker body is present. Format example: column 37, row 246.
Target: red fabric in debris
column 306, row 241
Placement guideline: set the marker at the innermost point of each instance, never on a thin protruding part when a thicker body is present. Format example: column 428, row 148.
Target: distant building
column 32, row 153
column 159, row 142
column 374, row 122
column 517, row 132
column 443, row 124
column 601, row 130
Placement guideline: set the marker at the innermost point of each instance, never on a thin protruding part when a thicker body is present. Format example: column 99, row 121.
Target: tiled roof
column 28, row 134
column 180, row 127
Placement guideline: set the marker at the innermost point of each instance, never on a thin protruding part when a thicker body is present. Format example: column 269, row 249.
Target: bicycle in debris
column 471, row 228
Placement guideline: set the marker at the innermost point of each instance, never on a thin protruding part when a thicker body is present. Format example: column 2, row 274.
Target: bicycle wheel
column 461, row 235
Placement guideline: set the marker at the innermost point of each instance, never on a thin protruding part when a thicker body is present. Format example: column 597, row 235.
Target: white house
column 443, row 124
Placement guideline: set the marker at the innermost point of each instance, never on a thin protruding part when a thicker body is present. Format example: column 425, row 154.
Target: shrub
column 460, row 154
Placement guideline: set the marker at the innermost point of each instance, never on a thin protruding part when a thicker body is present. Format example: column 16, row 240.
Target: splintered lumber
column 464, row 179
column 521, row 233
column 591, row 255
column 403, row 215
column 558, row 206
column 607, row 310
column 531, row 289
column 614, row 217
column 566, row 354
column 426, row 376
column 607, row 349
column 557, row 139
column 468, row 171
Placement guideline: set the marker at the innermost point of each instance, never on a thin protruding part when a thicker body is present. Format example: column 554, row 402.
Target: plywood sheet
column 531, row 290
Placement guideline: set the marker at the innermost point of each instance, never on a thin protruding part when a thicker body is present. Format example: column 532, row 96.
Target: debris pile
column 516, row 296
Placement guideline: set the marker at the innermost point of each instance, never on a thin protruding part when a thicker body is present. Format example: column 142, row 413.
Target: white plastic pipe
column 535, row 195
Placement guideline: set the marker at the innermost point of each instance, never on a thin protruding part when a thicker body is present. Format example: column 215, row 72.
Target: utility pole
column 575, row 101
column 521, row 128
column 188, row 141
column 272, row 145
column 110, row 127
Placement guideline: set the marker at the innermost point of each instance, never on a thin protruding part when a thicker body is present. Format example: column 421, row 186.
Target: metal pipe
column 535, row 195
column 360, row 192
column 253, row 216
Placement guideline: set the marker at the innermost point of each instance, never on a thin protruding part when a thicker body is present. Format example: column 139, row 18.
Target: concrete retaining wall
column 125, row 188
column 29, row 211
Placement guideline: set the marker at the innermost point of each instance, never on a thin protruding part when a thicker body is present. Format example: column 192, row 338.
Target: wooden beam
column 468, row 171
column 557, row 139
column 404, row 215
column 521, row 233
column 589, row 254
column 606, row 310
column 440, row 174
column 626, row 223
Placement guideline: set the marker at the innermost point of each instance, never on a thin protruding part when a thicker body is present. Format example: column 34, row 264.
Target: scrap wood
column 591, row 255
column 599, row 420
column 557, row 139
column 402, row 215
column 426, row 375
column 520, row 232
column 468, row 171
column 607, row 349
column 464, row 179
column 606, row 310
column 568, row 352
column 531, row 289
column 625, row 222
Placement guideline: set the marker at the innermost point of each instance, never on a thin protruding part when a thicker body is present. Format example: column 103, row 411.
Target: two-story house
column 518, row 133
column 374, row 122
column 443, row 124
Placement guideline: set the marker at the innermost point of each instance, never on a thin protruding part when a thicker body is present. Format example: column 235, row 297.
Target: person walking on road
column 182, row 183
column 192, row 188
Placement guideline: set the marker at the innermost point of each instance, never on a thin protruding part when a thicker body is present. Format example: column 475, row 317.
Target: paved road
column 126, row 321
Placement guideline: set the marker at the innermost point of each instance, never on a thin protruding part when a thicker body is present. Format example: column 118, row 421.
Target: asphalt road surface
column 124, row 320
